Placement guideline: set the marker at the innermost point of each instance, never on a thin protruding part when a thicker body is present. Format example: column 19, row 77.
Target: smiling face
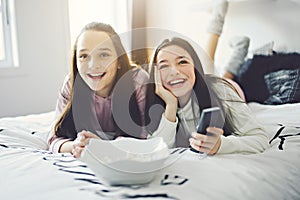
column 177, row 71
column 97, row 61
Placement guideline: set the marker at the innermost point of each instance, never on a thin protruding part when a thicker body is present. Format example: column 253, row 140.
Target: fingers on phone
column 203, row 143
column 199, row 136
column 200, row 148
column 195, row 142
column 215, row 131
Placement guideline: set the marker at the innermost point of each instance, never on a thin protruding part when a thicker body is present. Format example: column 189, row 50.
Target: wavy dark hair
column 202, row 90
column 79, row 113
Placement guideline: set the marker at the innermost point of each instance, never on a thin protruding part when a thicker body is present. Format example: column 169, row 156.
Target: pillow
column 251, row 74
column 283, row 86
column 265, row 50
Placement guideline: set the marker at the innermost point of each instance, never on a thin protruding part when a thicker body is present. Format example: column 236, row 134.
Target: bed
column 29, row 171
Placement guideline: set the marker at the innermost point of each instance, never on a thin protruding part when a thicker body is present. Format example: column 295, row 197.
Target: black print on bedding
column 66, row 164
column 77, row 172
column 138, row 196
column 39, row 151
column 80, row 172
column 2, row 145
column 179, row 150
column 117, row 193
column 173, row 180
column 282, row 139
column 89, row 181
column 280, row 134
column 277, row 134
column 42, row 152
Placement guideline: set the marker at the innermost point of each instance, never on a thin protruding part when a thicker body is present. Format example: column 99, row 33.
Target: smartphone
column 210, row 117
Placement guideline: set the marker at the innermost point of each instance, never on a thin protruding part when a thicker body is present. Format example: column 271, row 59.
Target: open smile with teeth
column 175, row 82
column 96, row 75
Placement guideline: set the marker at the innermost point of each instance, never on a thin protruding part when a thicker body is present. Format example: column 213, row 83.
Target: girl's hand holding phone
column 207, row 143
column 207, row 139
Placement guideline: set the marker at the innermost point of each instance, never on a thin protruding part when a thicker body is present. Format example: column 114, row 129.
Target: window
column 8, row 50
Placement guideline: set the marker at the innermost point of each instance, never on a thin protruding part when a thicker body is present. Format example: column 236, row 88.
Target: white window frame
column 9, row 35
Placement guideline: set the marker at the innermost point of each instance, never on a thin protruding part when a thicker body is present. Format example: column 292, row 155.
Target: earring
column 118, row 67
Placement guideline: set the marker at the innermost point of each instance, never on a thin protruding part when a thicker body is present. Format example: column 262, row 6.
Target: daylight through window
column 8, row 45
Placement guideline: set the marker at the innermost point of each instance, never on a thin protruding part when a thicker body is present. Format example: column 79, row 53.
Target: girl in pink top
column 102, row 97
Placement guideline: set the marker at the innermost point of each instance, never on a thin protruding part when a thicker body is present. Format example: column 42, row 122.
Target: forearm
column 243, row 144
column 66, row 147
column 166, row 130
column 170, row 111
column 58, row 145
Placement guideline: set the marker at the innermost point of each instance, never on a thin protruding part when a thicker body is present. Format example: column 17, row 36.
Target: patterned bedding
column 29, row 171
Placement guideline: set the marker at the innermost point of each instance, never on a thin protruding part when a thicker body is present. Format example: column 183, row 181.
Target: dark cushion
column 252, row 72
column 283, row 86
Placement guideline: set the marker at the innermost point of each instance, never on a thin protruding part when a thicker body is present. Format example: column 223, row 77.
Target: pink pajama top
column 103, row 106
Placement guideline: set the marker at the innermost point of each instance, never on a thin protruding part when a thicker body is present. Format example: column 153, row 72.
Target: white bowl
column 126, row 161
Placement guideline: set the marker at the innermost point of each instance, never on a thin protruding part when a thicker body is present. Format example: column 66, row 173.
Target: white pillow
column 29, row 131
column 265, row 50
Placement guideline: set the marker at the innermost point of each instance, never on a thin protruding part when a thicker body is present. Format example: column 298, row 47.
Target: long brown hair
column 81, row 96
column 202, row 90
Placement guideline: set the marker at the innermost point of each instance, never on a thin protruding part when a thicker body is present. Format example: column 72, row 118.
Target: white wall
column 261, row 20
column 117, row 13
column 43, row 39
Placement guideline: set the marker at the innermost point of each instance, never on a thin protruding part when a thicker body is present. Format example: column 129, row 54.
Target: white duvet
column 29, row 171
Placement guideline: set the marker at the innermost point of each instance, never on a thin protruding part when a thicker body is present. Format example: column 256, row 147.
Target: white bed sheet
column 26, row 131
column 29, row 171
